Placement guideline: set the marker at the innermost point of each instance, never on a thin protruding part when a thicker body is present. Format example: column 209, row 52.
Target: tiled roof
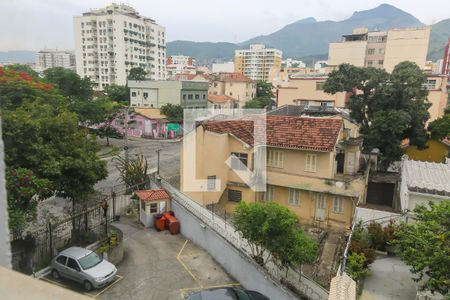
column 427, row 177
column 220, row 98
column 150, row 195
column 234, row 77
column 318, row 134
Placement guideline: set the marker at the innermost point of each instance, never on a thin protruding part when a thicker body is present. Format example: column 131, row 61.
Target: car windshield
column 89, row 261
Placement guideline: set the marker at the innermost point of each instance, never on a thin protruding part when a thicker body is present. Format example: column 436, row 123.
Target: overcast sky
column 37, row 24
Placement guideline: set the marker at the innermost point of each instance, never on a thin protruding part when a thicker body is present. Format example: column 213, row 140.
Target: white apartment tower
column 51, row 58
column 112, row 40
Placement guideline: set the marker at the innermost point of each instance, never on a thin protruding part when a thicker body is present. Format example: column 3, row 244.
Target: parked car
column 227, row 293
column 83, row 266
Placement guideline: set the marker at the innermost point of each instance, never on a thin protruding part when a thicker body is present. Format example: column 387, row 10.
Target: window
column 211, row 183
column 381, row 51
column 190, row 97
column 319, row 85
column 270, row 193
column 133, row 94
column 338, row 204
column 197, row 96
column 184, row 97
column 275, row 159
column 303, row 102
column 234, row 195
column 430, row 84
column 153, row 208
column 143, row 205
column 72, row 263
column 326, row 103
column 371, row 51
column 380, row 62
column 310, row 164
column 62, row 259
column 237, row 157
column 204, row 96
column 370, row 63
column 145, row 95
column 294, row 197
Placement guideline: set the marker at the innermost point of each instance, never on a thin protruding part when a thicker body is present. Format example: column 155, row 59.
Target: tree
column 263, row 97
column 41, row 135
column 24, row 191
column 389, row 107
column 133, row 171
column 258, row 102
column 110, row 111
column 440, row 128
column 137, row 74
column 173, row 112
column 23, row 69
column 272, row 234
column 119, row 93
column 356, row 266
column 425, row 246
column 69, row 83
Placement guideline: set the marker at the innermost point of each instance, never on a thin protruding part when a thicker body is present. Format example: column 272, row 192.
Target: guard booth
column 152, row 202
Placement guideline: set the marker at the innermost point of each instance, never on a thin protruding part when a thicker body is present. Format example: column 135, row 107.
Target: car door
column 74, row 270
column 60, row 265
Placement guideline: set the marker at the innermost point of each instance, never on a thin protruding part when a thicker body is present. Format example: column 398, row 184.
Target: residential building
column 381, row 49
column 112, row 40
column 313, row 167
column 257, row 61
column 446, row 59
column 280, row 77
column 143, row 122
column 180, row 64
column 437, row 95
column 235, row 85
column 293, row 63
column 308, row 90
column 422, row 182
column 156, row 93
column 52, row 58
column 227, row 67
column 221, row 102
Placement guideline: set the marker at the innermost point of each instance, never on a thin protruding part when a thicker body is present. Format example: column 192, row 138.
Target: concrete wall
column 380, row 216
column 347, row 52
column 231, row 259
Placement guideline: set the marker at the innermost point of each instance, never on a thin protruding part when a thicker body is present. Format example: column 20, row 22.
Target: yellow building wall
column 406, row 45
column 438, row 98
column 347, row 52
column 436, row 152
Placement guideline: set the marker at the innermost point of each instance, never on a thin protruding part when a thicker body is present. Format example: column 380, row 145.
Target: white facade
column 227, row 67
column 51, row 58
column 112, row 40
column 256, row 62
column 180, row 64
column 293, row 63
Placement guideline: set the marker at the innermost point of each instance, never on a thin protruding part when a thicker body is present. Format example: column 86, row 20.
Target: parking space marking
column 185, row 267
column 200, row 285
column 108, row 286
column 86, row 294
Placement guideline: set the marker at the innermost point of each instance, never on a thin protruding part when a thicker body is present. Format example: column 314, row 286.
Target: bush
column 377, row 236
column 356, row 266
column 362, row 247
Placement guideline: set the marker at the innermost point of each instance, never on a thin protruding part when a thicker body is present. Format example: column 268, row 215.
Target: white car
column 83, row 266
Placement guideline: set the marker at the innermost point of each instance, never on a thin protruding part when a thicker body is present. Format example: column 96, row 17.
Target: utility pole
column 157, row 168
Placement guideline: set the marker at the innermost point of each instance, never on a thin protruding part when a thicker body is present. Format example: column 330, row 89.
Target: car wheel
column 87, row 285
column 55, row 274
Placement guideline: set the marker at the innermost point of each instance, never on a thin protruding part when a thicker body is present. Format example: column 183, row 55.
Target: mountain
column 440, row 33
column 310, row 38
column 18, row 56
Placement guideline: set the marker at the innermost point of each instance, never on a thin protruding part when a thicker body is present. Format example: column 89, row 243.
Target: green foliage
column 42, row 136
column 263, row 97
column 272, row 233
column 173, row 112
column 377, row 235
column 23, row 68
column 425, row 246
column 24, row 191
column 389, row 107
column 133, row 171
column 356, row 266
column 69, row 83
column 362, row 243
column 440, row 128
column 137, row 74
column 119, row 93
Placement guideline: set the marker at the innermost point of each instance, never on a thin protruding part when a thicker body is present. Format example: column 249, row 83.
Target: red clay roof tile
column 150, row 195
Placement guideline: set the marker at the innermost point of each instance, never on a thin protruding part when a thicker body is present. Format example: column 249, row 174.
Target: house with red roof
column 235, row 85
column 312, row 166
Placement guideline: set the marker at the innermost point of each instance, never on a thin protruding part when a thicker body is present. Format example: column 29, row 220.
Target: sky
column 39, row 24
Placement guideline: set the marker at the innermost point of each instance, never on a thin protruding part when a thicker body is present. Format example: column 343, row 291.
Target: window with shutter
column 294, row 197
column 311, row 160
column 337, row 204
column 275, row 159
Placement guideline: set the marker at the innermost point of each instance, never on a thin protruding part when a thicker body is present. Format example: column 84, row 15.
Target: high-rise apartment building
column 112, row 40
column 257, row 61
column 381, row 49
column 51, row 58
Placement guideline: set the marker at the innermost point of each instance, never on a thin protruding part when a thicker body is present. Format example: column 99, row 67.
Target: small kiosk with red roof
column 152, row 202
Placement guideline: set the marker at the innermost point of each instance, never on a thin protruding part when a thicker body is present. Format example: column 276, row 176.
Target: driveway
column 389, row 278
column 158, row 265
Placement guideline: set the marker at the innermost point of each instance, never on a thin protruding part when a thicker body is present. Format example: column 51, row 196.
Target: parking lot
column 157, row 265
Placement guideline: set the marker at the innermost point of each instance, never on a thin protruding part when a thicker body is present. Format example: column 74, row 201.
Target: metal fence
column 295, row 279
column 33, row 249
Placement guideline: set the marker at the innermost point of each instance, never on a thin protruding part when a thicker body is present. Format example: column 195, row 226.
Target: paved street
column 389, row 278
column 169, row 160
column 157, row 265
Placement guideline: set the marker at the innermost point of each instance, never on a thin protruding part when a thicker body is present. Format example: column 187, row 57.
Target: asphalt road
column 169, row 157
